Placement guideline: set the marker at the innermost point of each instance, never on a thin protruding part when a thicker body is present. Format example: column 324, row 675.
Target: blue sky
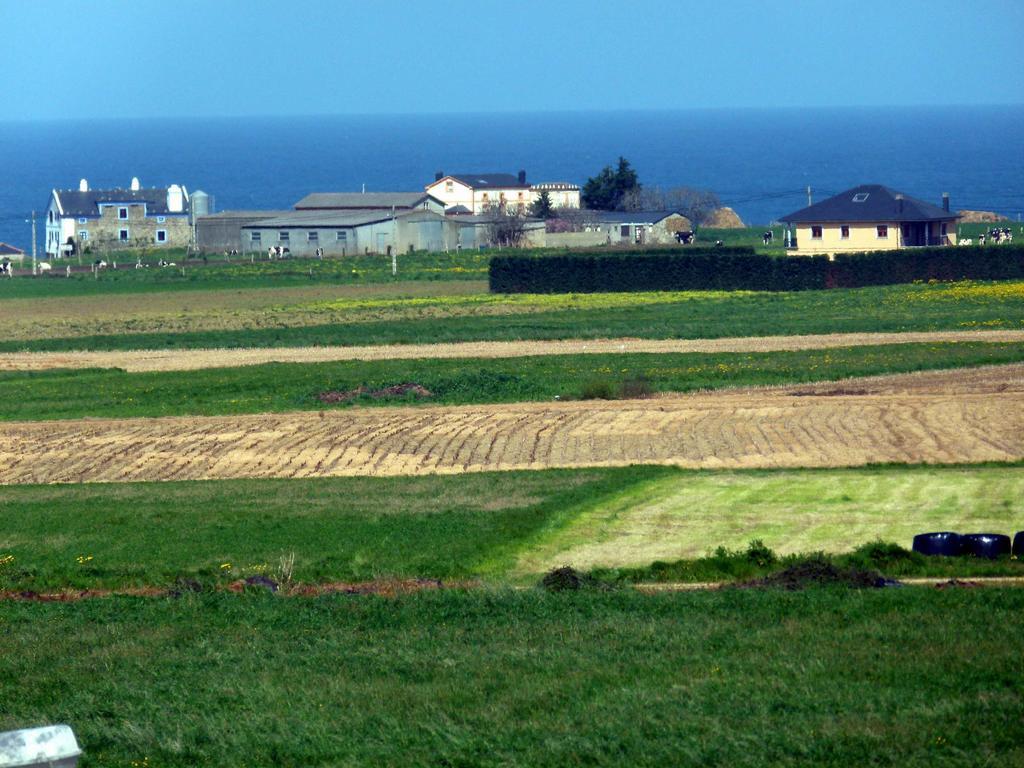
column 142, row 58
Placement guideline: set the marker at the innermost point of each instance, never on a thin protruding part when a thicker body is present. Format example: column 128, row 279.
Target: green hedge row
column 739, row 268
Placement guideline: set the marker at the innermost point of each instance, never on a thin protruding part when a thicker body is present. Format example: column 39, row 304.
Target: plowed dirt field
column 194, row 359
column 952, row 416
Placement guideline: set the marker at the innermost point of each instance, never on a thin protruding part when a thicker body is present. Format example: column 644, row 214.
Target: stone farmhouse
column 116, row 218
column 478, row 193
column 870, row 217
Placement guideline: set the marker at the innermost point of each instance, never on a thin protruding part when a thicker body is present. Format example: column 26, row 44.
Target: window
column 882, row 231
column 342, row 236
column 945, row 229
column 255, row 237
column 282, row 236
column 50, row 216
column 861, row 197
column 313, row 237
column 624, row 230
column 122, row 235
column 815, row 233
column 449, row 186
column 161, row 235
column 844, row 232
column 122, row 213
column 161, row 219
column 82, row 220
column 83, row 234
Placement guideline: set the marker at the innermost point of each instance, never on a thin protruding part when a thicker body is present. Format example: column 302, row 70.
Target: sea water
column 758, row 161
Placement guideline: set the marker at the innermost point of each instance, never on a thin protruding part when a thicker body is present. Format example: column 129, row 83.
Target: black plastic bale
column 1018, row 544
column 944, row 543
column 987, row 545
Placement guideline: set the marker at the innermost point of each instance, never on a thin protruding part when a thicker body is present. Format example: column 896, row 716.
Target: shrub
column 635, row 387
column 597, row 389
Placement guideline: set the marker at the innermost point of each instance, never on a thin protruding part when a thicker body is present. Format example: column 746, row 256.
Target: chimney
column 135, row 184
column 83, row 186
column 522, row 177
column 945, row 201
column 899, row 203
column 439, row 175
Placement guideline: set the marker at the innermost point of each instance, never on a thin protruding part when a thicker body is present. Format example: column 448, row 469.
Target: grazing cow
column 6, row 269
column 768, row 237
column 966, row 241
column 165, row 263
column 99, row 264
column 684, row 237
column 981, row 239
column 719, row 243
column 43, row 266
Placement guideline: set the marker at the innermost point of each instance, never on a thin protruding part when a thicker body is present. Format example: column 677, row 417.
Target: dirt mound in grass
column 811, row 573
column 567, row 578
column 396, row 390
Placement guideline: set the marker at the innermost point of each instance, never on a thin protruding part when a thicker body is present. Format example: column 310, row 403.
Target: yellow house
column 869, row 218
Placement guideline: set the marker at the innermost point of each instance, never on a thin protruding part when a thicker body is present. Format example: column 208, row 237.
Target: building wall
column 862, row 237
column 103, row 232
column 478, row 200
column 223, row 233
column 560, row 198
column 576, row 239
column 396, row 235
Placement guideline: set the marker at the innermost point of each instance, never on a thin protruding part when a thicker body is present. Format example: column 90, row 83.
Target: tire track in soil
column 954, row 416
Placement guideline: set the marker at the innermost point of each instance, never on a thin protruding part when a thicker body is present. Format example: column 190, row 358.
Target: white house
column 116, row 218
column 478, row 192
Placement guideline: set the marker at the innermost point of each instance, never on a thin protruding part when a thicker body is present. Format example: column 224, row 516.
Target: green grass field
column 281, row 387
column 900, row 677
column 501, row 527
column 693, row 314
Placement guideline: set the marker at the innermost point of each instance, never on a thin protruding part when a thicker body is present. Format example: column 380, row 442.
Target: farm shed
column 636, row 227
column 346, row 233
column 223, row 231
column 870, row 217
column 11, row 252
column 369, row 201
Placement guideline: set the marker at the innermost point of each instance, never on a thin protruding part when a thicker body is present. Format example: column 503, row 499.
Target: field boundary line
column 143, row 360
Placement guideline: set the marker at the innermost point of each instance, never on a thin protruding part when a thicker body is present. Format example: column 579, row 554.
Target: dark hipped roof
column 336, row 201
column 74, row 202
column 485, row 180
column 10, row 250
column 878, row 204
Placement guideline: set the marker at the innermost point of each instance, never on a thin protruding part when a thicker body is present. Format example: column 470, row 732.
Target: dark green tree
column 541, row 208
column 605, row 192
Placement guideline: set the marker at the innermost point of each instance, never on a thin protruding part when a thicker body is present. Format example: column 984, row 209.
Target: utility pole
column 33, row 242
column 809, row 201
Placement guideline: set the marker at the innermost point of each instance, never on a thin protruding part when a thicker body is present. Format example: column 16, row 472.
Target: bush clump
column 740, row 268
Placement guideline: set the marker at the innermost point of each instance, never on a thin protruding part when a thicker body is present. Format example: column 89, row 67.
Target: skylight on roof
column 860, row 197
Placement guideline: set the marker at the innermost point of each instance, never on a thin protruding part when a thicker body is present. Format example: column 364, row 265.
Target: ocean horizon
column 758, row 161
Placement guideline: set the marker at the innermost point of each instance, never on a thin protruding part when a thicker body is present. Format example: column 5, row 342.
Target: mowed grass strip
column 281, row 387
column 908, row 677
column 692, row 314
column 493, row 526
column 687, row 516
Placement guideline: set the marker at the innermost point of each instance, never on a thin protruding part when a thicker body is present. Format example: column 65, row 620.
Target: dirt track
column 955, row 416
column 185, row 360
